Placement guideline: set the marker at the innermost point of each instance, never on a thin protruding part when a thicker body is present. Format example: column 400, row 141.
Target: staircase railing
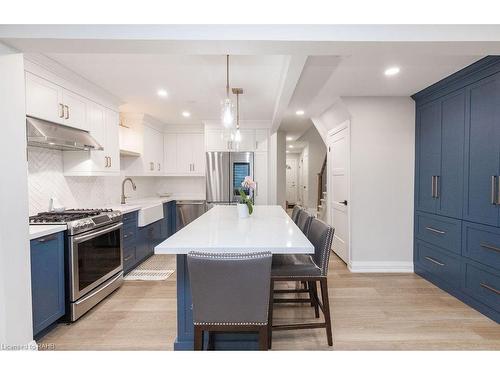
column 321, row 183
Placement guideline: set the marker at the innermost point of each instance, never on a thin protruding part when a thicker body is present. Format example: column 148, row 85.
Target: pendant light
column 237, row 134
column 227, row 116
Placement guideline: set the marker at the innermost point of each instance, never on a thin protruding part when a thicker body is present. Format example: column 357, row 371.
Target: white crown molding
column 381, row 267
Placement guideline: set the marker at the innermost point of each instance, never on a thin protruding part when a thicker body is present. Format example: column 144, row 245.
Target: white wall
column 15, row 277
column 382, row 174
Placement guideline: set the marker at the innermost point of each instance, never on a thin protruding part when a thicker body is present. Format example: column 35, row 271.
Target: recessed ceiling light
column 186, row 114
column 289, row 138
column 162, row 93
column 299, row 112
column 392, row 71
column 291, row 146
column 287, row 151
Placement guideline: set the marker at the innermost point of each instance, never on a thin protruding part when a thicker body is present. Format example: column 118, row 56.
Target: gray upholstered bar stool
column 295, row 213
column 304, row 221
column 309, row 269
column 230, row 293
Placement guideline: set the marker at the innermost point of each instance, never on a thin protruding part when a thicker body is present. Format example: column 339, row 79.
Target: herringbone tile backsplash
column 46, row 179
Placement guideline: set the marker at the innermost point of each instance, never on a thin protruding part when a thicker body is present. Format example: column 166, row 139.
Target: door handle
column 431, row 229
column 490, row 288
column 498, row 190
column 490, row 247
column 434, row 261
column 433, row 195
column 109, row 161
column 436, row 189
column 159, row 166
column 67, row 112
column 344, row 202
column 61, row 110
column 106, row 161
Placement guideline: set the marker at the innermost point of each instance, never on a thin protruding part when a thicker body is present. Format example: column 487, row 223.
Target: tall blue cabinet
column 457, row 185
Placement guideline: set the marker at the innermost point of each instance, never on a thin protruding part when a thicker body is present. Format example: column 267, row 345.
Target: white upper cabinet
column 251, row 140
column 43, row 99
column 75, row 110
column 48, row 101
column 184, row 154
column 153, row 151
column 103, row 126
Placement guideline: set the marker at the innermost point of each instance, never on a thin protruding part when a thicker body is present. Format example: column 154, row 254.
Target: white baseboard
column 381, row 267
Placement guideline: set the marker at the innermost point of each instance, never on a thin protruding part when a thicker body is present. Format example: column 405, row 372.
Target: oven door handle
column 97, row 234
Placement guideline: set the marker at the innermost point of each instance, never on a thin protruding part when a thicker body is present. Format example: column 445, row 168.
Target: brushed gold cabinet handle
column 61, row 110
column 490, row 288
column 109, row 161
column 434, row 261
column 431, row 229
column 489, row 247
column 67, row 112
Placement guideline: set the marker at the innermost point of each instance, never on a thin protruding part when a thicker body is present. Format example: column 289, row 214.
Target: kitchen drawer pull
column 489, row 247
column 490, row 288
column 434, row 261
column 431, row 229
column 47, row 238
column 61, row 110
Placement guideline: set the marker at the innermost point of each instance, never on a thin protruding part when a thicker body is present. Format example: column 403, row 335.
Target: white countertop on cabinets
column 137, row 204
column 269, row 228
column 37, row 231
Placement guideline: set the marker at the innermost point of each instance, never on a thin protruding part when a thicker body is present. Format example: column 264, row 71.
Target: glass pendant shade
column 237, row 135
column 227, row 114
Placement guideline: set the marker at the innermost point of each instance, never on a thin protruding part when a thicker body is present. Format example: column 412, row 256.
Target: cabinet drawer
column 482, row 243
column 439, row 263
column 440, row 231
column 129, row 218
column 483, row 286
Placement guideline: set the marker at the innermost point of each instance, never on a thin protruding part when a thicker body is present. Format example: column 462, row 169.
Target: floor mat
column 157, row 267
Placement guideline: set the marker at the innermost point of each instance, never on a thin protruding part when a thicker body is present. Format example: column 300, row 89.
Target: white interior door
column 338, row 190
column 291, row 180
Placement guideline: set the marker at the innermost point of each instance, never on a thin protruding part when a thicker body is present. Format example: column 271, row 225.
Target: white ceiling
column 194, row 83
column 282, row 68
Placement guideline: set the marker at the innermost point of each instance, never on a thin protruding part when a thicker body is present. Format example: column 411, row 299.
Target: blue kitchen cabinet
column 457, row 234
column 483, row 152
column 171, row 216
column 129, row 241
column 439, row 151
column 47, row 280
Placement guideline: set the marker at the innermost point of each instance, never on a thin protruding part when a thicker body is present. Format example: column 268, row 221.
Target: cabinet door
column 482, row 150
column 170, row 151
column 75, row 111
column 43, row 99
column 97, row 126
column 451, row 181
column 47, row 280
column 158, row 147
column 215, row 141
column 150, row 157
column 185, row 153
column 429, row 153
column 112, row 150
column 198, row 157
column 247, row 141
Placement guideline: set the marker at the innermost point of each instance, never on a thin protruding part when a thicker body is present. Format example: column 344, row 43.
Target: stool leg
column 198, row 338
column 263, row 338
column 314, row 287
column 270, row 315
column 326, row 307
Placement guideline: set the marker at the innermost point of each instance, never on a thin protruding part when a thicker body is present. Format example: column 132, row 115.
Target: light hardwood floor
column 369, row 311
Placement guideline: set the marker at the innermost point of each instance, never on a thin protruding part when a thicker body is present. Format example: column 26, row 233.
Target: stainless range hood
column 47, row 134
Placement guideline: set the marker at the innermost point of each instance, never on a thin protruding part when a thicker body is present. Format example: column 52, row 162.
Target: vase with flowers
column 245, row 206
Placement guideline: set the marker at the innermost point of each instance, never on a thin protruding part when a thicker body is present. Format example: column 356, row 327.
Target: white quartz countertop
column 269, row 228
column 37, row 231
column 139, row 203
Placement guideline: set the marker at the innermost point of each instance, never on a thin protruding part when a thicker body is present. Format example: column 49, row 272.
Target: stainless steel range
column 94, row 255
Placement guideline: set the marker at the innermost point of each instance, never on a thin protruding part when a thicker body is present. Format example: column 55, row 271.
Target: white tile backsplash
column 46, row 180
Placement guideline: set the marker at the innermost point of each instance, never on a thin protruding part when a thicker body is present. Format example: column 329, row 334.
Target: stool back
column 321, row 236
column 230, row 289
column 304, row 221
column 295, row 213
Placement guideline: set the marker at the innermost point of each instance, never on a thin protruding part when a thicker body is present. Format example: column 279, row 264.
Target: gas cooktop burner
column 67, row 215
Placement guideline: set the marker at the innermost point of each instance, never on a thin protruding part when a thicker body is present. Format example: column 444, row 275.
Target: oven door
column 94, row 258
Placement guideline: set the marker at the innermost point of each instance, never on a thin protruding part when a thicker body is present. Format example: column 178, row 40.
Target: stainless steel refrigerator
column 224, row 173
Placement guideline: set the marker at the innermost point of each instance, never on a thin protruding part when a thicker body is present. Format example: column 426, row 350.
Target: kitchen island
column 269, row 228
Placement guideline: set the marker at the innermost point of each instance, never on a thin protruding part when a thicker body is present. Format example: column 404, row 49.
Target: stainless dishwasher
column 187, row 211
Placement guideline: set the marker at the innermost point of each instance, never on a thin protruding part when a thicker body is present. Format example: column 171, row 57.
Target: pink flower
column 249, row 183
